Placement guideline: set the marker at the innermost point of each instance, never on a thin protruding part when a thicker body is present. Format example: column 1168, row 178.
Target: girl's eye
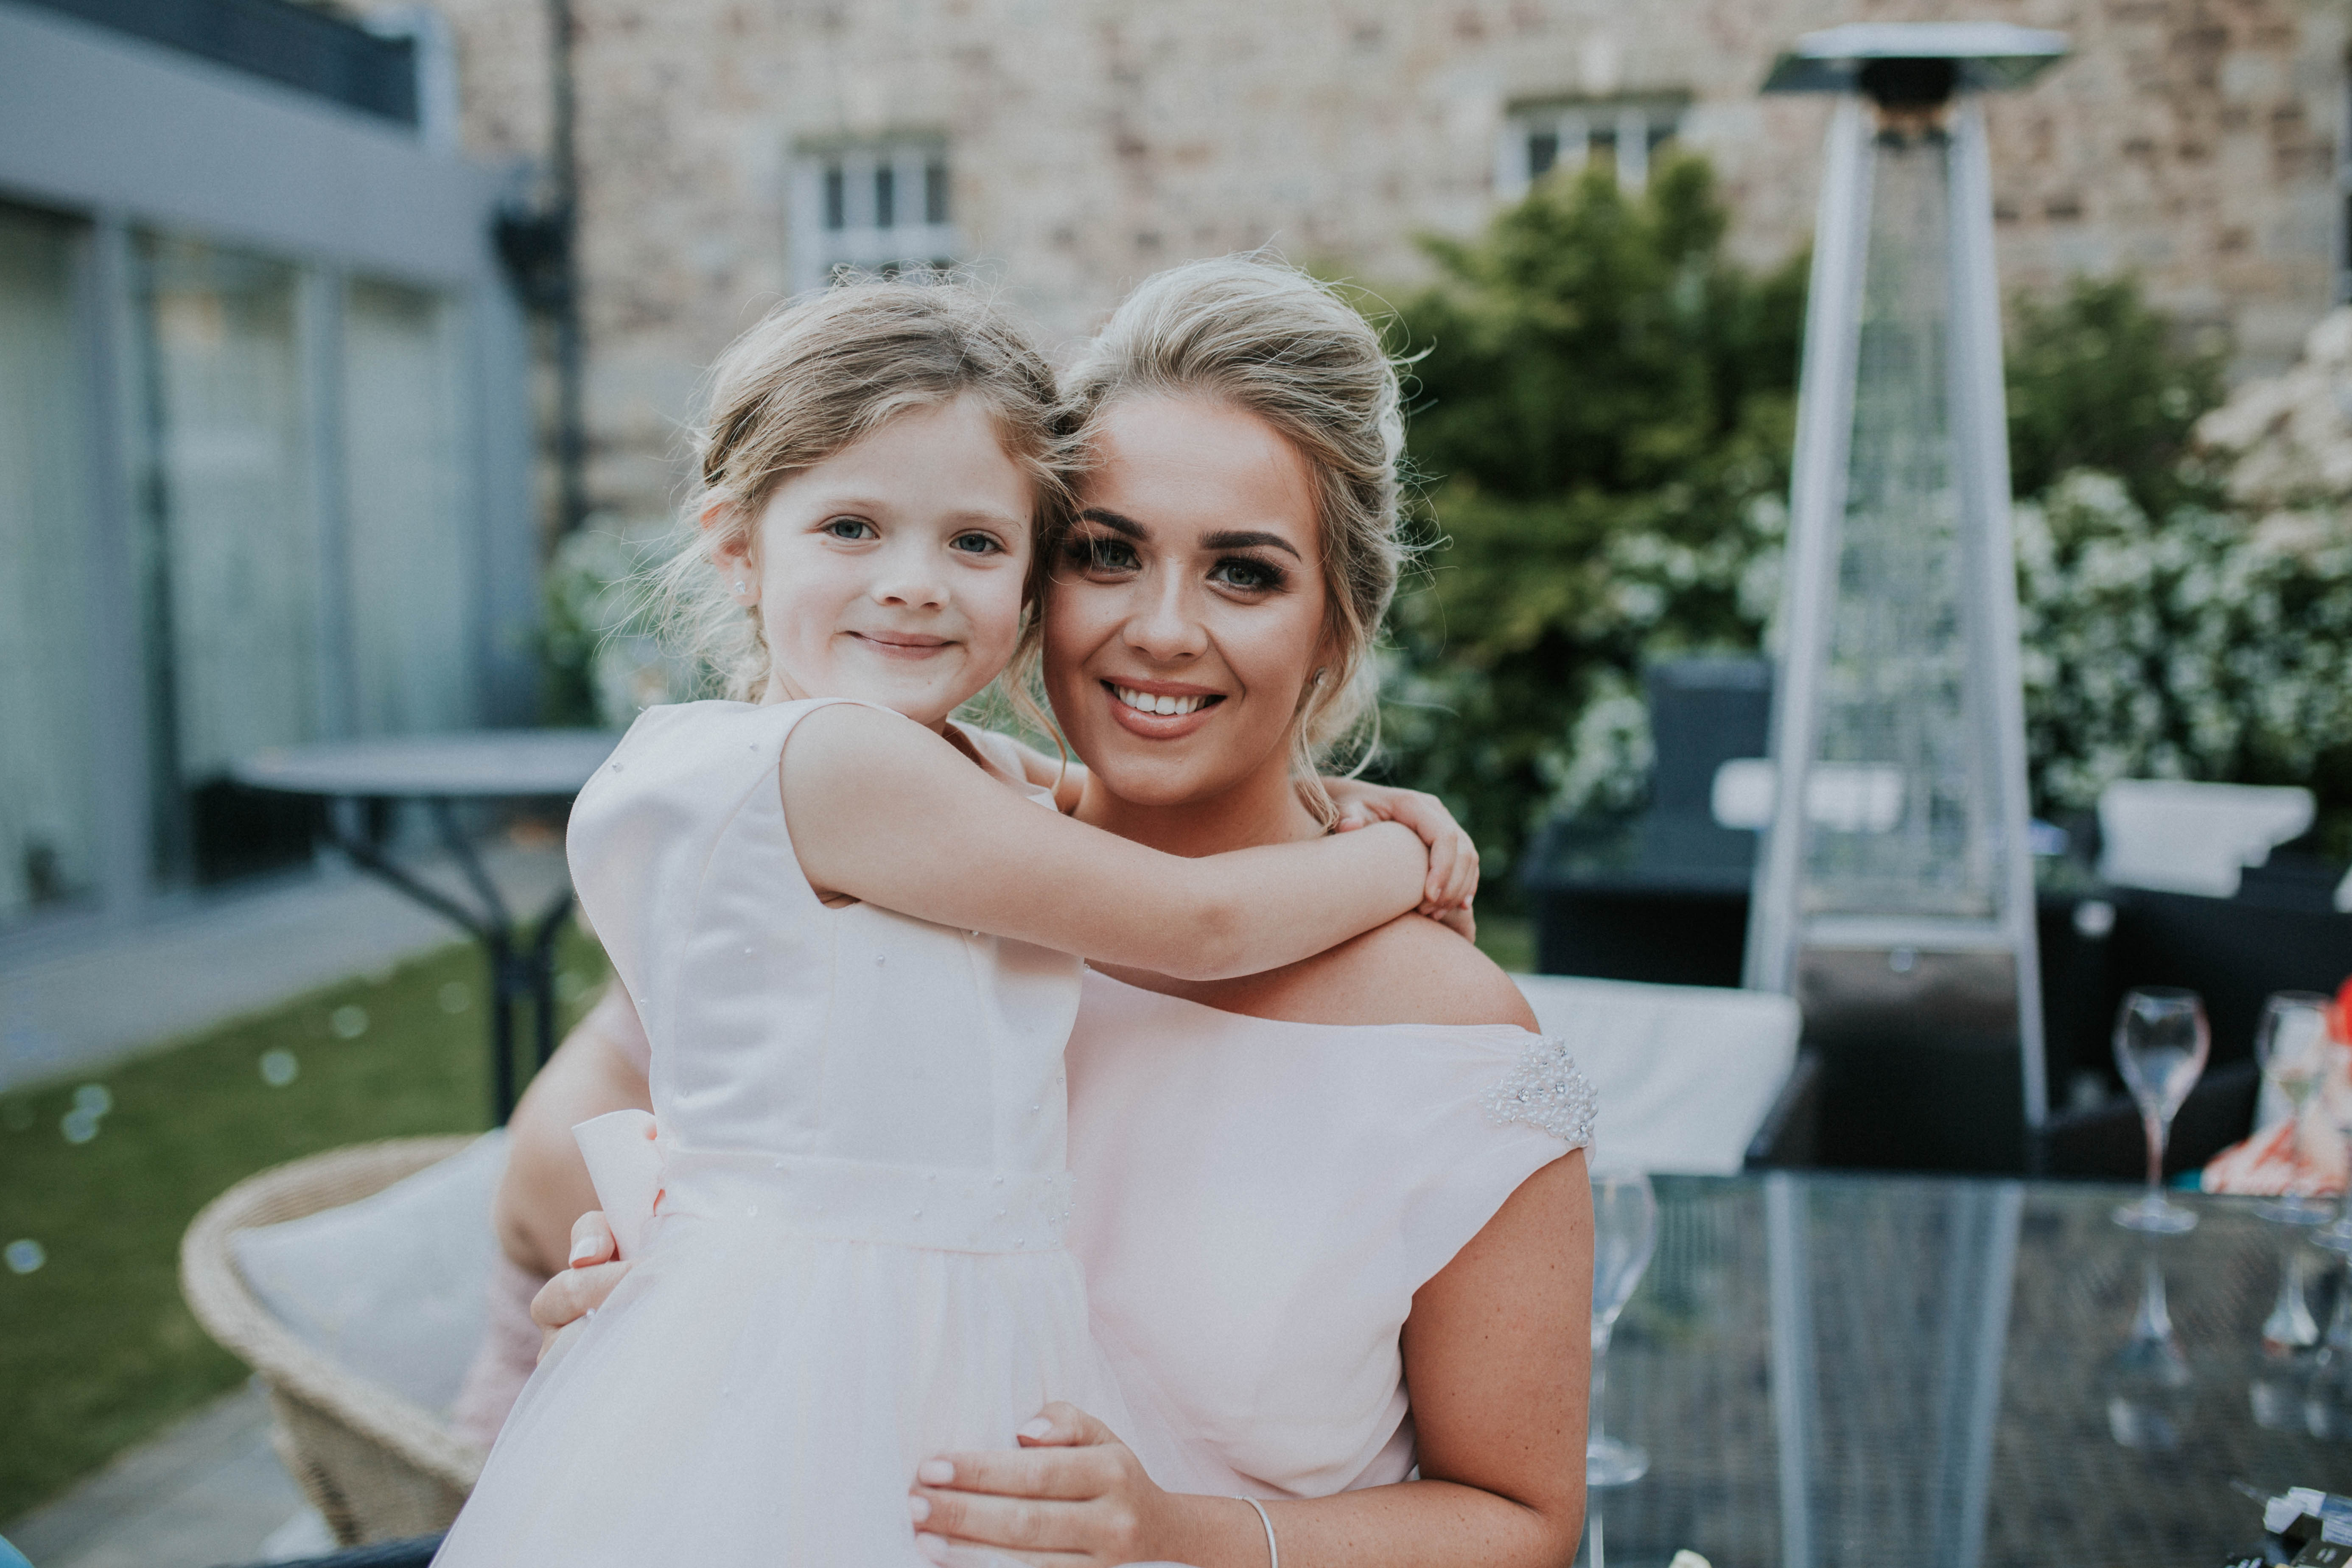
column 850, row 528
column 1101, row 553
column 976, row 544
column 1250, row 576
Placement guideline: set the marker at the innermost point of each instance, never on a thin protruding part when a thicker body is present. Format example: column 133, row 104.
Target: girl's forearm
column 1259, row 909
column 1411, row 1524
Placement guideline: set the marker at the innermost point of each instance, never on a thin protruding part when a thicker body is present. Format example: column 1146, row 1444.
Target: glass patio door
column 232, row 575
column 48, row 831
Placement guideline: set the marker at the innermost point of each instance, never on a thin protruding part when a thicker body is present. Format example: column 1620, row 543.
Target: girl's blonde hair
column 815, row 377
column 1264, row 336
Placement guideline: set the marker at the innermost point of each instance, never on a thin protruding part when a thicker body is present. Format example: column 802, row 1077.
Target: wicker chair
column 375, row 1465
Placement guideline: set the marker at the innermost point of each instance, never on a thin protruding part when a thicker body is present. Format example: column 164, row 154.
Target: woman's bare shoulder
column 1410, row 971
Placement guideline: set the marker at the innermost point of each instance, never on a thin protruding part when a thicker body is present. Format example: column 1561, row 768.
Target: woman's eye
column 1102, row 554
column 851, row 528
column 1251, row 576
column 976, row 544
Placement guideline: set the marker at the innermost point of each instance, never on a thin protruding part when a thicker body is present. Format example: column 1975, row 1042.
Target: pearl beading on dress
column 1546, row 1091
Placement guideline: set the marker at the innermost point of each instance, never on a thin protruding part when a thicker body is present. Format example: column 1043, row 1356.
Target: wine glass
column 2291, row 1046
column 2161, row 1043
column 1624, row 1233
column 2149, row 1387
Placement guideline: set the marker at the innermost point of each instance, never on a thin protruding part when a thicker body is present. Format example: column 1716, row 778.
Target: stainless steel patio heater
column 1895, row 881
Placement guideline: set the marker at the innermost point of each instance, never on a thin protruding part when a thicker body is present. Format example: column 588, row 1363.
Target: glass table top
column 1832, row 1369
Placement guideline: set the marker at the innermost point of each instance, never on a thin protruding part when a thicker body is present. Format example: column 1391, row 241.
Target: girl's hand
column 1452, row 858
column 1074, row 1497
column 596, row 1267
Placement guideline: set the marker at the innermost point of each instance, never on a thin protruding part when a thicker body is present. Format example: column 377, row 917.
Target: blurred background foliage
column 1602, row 425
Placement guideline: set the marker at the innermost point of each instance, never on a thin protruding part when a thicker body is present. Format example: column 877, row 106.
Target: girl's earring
column 1319, row 677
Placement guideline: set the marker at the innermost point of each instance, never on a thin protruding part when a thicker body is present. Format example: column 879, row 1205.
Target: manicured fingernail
column 583, row 1250
column 932, row 1547
column 1040, row 1428
column 935, row 1472
column 919, row 1509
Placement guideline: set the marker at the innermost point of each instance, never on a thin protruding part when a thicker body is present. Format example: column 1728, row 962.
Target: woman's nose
column 1164, row 626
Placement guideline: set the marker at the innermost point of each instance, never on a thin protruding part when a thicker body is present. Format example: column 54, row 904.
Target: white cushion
column 2181, row 837
column 1685, row 1074
column 393, row 1287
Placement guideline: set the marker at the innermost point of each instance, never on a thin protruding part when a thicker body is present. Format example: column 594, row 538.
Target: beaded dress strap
column 1546, row 1091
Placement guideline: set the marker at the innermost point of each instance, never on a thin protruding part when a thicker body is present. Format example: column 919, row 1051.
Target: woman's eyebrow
column 1116, row 522
column 1250, row 539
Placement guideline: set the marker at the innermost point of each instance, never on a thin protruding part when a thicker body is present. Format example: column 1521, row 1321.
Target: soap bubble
column 349, row 1022
column 455, row 997
column 93, row 1097
column 280, row 1068
column 23, row 1255
column 79, row 1126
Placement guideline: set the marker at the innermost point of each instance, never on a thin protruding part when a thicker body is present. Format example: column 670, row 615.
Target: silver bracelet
column 1273, row 1553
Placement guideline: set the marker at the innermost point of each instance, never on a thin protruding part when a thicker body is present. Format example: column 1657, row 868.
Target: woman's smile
column 1161, row 710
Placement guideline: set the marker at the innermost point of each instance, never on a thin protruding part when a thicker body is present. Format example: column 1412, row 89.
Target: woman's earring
column 1319, row 674
column 742, row 587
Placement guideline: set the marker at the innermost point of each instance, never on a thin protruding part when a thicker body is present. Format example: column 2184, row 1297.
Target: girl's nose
column 909, row 578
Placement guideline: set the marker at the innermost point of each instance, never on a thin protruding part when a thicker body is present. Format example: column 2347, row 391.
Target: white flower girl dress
column 857, row 1257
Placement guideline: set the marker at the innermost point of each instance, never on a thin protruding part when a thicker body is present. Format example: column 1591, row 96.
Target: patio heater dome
column 1895, row 885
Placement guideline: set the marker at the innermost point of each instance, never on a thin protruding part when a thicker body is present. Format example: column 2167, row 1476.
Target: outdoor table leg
column 521, row 960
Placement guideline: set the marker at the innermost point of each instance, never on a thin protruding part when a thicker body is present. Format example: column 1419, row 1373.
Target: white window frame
column 915, row 235
column 1637, row 125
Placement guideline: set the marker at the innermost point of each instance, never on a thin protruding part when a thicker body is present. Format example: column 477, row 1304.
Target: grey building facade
column 266, row 454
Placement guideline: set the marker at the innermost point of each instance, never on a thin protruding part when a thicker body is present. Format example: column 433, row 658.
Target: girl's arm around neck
column 884, row 810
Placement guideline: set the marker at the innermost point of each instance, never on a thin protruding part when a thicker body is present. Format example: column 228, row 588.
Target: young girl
column 849, row 937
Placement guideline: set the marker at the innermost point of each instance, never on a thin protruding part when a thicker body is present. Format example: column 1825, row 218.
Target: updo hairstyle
column 1261, row 335
column 812, row 379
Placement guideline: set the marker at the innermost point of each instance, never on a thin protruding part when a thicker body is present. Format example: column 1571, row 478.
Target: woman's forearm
column 1411, row 1524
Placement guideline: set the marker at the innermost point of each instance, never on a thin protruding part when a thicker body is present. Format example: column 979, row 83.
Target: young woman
column 1361, row 1173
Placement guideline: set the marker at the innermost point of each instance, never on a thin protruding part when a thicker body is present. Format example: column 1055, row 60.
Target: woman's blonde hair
column 1261, row 335
column 815, row 377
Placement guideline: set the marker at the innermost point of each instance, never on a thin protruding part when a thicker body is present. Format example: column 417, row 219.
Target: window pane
column 835, row 204
column 46, row 834
column 407, row 506
column 885, row 191
column 935, row 193
column 232, row 552
column 1543, row 152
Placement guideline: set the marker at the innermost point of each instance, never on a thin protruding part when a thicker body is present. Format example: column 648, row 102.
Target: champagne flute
column 1624, row 1233
column 2161, row 1043
column 2291, row 1046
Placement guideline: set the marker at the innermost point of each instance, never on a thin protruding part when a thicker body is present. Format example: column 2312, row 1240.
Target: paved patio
column 207, row 1492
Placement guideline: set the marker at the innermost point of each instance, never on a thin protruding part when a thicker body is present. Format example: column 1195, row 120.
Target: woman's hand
column 1452, row 858
column 1073, row 1496
column 579, row 1289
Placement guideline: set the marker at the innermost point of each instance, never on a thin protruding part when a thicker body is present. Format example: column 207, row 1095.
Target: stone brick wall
column 1093, row 142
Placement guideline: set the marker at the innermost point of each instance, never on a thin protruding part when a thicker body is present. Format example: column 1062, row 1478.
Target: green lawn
column 96, row 1349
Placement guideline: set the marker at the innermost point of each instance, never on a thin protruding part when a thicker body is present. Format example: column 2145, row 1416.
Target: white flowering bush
column 2208, row 647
